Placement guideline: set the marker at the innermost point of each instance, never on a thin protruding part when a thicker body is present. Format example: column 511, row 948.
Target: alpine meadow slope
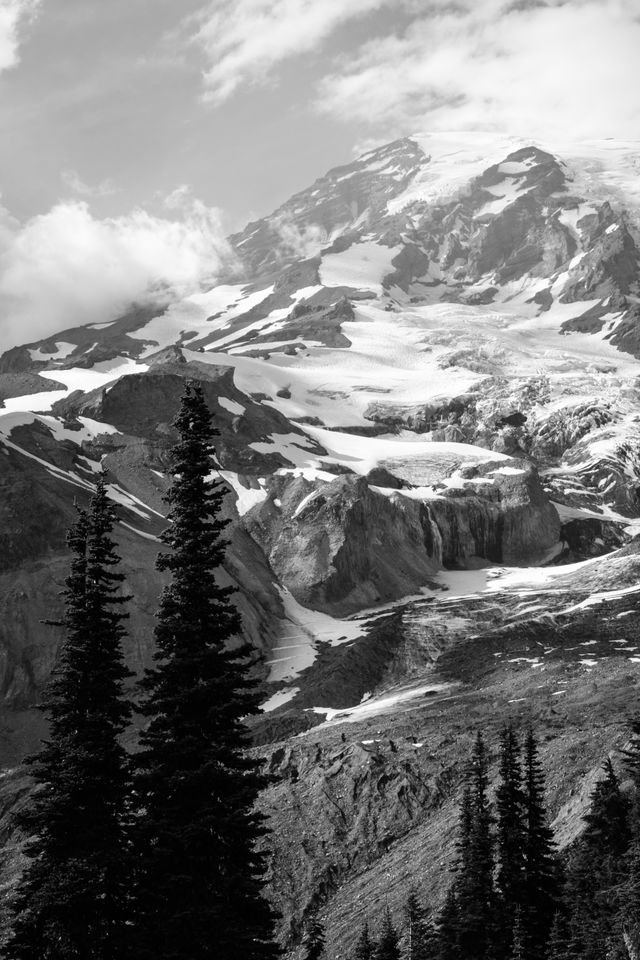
column 425, row 371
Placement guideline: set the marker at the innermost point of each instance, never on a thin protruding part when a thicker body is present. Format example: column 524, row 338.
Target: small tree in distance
column 387, row 947
column 200, row 879
column 421, row 937
column 313, row 943
column 365, row 946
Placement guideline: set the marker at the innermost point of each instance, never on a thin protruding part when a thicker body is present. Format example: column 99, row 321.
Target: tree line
column 512, row 895
column 150, row 855
column 155, row 854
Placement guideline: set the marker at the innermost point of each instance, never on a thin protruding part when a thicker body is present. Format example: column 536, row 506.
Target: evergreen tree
column 632, row 753
column 365, row 947
column 632, row 765
column 199, row 886
column 607, row 830
column 628, row 902
column 72, row 899
column 465, row 829
column 510, row 844
column 447, row 929
column 421, row 939
column 474, row 883
column 541, row 881
column 388, row 945
column 557, row 943
column 313, row 943
column 596, row 872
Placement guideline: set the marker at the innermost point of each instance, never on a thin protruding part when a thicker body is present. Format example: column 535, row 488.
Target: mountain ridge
column 426, row 384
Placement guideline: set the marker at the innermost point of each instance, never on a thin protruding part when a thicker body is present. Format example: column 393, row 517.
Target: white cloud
column 9, row 226
column 180, row 198
column 66, row 268
column 302, row 241
column 14, row 14
column 540, row 69
column 243, row 40
column 73, row 180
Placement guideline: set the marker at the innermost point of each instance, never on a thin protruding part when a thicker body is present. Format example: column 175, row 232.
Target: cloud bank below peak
column 66, row 267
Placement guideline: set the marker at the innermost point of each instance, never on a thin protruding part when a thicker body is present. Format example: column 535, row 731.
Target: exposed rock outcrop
column 342, row 546
column 502, row 515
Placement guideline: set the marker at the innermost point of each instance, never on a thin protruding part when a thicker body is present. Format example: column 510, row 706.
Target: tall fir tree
column 475, row 894
column 596, row 872
column 388, row 946
column 557, row 943
column 607, row 830
column 200, row 883
column 365, row 946
column 72, row 899
column 632, row 752
column 510, row 844
column 421, row 942
column 541, row 870
column 447, row 927
column 628, row 902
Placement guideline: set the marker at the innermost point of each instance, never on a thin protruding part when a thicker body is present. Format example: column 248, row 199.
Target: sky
column 137, row 134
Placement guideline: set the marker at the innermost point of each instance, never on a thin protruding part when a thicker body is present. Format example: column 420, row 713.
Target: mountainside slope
column 424, row 370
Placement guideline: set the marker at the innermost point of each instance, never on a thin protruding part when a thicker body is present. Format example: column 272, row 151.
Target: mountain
column 425, row 374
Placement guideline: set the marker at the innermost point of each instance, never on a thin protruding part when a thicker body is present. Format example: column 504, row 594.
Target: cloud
column 301, row 241
column 542, row 69
column 14, row 15
column 243, row 40
column 65, row 267
column 73, row 180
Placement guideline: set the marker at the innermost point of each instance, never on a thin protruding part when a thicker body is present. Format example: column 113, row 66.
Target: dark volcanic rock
column 24, row 384
column 610, row 267
column 342, row 547
column 409, row 265
column 334, row 201
column 521, row 241
column 92, row 346
column 144, row 405
column 501, row 517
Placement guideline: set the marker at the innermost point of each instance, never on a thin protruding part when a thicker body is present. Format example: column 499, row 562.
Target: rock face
column 343, row 546
column 505, row 518
column 341, row 807
column 332, row 203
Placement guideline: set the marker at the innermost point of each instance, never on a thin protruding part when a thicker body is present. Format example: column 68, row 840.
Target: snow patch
column 232, row 406
column 247, row 495
column 63, row 350
column 363, row 266
column 279, row 699
column 302, row 630
column 397, row 701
